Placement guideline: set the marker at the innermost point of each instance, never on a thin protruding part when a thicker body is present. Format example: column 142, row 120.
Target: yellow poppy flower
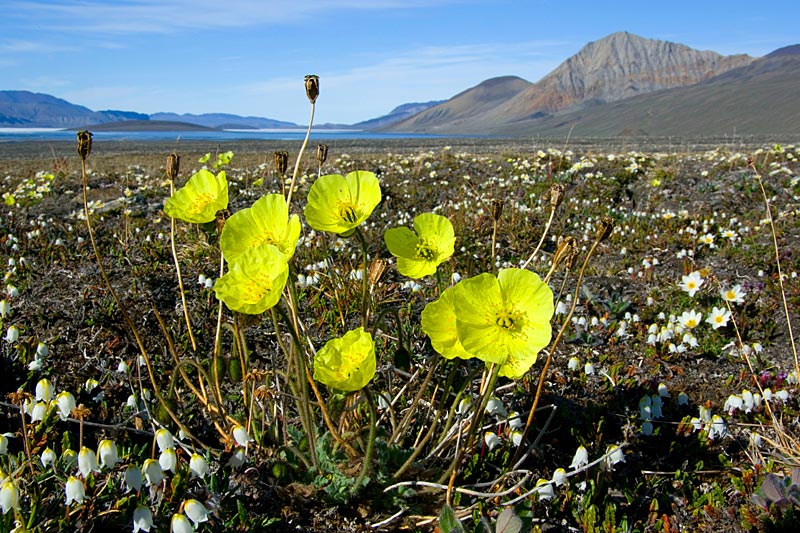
column 199, row 200
column 503, row 320
column 420, row 254
column 267, row 221
column 339, row 204
column 254, row 282
column 346, row 363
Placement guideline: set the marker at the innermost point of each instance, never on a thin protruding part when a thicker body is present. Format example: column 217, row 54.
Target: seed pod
column 281, row 161
column 312, row 87
column 84, row 143
column 376, row 270
column 322, row 153
column 556, row 195
column 173, row 166
column 565, row 250
column 604, row 229
column 497, row 209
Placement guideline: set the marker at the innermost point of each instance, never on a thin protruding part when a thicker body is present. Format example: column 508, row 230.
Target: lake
column 51, row 134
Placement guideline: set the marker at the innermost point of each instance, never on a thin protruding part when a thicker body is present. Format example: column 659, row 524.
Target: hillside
column 37, row 110
column 758, row 98
column 616, row 67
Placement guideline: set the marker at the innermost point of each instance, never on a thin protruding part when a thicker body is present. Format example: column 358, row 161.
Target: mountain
column 619, row 66
column 28, row 109
column 224, row 121
column 397, row 114
column 758, row 98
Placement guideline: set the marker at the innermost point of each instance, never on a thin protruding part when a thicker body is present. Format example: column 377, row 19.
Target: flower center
column 504, row 320
column 348, row 213
column 201, row 201
column 424, row 250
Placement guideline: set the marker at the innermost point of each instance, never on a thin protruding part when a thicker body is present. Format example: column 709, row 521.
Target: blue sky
column 248, row 57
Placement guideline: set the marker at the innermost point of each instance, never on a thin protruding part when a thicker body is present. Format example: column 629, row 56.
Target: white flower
column 107, row 450
column 180, row 524
column 90, row 384
column 9, row 496
column 645, row 408
column 122, row 368
column 198, row 465
column 588, row 369
column 5, row 308
column 142, row 519
column 74, row 490
column 42, row 350
column 719, row 317
column 164, row 439
column 44, row 390
column 690, row 319
column 66, row 403
column 241, row 436
column 683, row 398
column 69, row 458
column 168, row 459
column 515, row 420
column 516, row 437
column 580, row 459
column 237, row 458
column 133, row 478
column 573, row 364
column 38, row 411
column 647, row 428
column 733, row 294
column 495, row 407
column 491, row 440
column 692, row 283
column 717, row 427
column 614, row 455
column 560, row 477
column 546, row 491
column 4, row 443
column 655, row 406
column 48, row 457
column 662, row 390
column 87, row 461
column 152, row 472
column 196, row 511
column 12, row 334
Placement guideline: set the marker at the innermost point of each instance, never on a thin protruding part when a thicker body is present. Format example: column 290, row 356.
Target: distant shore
column 48, row 150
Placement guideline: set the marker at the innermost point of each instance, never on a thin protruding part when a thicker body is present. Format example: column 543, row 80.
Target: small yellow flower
column 199, row 200
column 267, row 221
column 255, row 282
column 420, row 254
column 339, row 204
column 346, row 363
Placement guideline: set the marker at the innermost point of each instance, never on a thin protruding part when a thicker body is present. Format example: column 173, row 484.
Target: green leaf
column 508, row 522
column 448, row 522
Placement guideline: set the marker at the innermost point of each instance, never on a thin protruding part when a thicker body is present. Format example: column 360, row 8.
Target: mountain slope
column 397, row 114
column 758, row 98
column 28, row 109
column 220, row 120
column 616, row 67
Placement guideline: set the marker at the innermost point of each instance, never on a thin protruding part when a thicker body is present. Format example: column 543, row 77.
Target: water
column 52, row 134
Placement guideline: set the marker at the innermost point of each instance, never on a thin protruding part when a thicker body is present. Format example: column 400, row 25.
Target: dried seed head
column 19, row 397
column 322, row 153
column 81, row 412
column 497, row 209
column 567, row 248
column 376, row 270
column 312, row 87
column 556, row 195
column 281, row 162
column 173, row 166
column 84, row 143
column 604, row 229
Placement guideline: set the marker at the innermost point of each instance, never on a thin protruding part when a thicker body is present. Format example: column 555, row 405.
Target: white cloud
column 167, row 16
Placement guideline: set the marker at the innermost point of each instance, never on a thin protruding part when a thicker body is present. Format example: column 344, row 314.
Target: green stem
column 373, row 431
column 364, row 279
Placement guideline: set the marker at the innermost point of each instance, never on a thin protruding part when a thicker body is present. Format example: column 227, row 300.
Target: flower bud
column 84, row 143
column 497, row 209
column 312, row 87
column 322, row 153
column 604, row 229
column 281, row 161
column 173, row 166
column 556, row 195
